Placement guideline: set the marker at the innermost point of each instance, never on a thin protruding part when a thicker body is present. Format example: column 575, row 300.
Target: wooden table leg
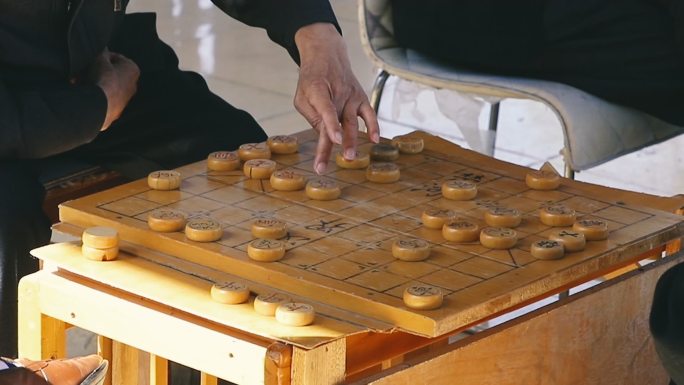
column 207, row 379
column 104, row 349
column 278, row 364
column 159, row 370
column 129, row 365
column 324, row 365
column 40, row 336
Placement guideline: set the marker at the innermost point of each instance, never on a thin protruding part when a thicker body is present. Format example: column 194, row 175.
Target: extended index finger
column 323, row 149
column 321, row 101
column 371, row 119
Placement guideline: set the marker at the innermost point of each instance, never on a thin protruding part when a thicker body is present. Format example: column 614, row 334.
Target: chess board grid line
column 415, row 278
column 510, row 254
column 511, row 264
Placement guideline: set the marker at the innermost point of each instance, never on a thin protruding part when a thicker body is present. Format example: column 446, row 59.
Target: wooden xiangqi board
column 339, row 252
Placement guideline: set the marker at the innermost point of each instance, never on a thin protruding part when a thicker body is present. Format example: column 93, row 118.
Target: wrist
column 315, row 38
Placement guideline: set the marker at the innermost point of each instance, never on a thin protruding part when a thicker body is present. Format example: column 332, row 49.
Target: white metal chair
column 595, row 131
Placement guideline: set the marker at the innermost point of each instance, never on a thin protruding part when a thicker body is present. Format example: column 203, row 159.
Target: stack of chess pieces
column 267, row 247
column 100, row 243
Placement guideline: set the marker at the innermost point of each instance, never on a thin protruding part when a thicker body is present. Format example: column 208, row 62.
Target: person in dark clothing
column 630, row 52
column 667, row 322
column 83, row 79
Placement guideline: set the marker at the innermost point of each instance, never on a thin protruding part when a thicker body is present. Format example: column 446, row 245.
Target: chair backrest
column 376, row 24
column 595, row 131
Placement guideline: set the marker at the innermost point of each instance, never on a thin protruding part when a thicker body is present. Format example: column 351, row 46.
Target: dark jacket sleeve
column 280, row 18
column 39, row 122
column 676, row 10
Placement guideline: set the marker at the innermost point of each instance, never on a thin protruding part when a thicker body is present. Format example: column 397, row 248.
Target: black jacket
column 44, row 43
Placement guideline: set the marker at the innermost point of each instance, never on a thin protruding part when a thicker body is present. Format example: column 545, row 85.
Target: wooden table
column 155, row 297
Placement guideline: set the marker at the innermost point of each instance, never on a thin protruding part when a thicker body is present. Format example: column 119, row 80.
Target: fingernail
column 320, row 168
column 376, row 137
column 349, row 154
column 338, row 138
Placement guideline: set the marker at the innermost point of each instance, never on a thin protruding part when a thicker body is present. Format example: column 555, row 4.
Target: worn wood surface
column 597, row 337
column 675, row 245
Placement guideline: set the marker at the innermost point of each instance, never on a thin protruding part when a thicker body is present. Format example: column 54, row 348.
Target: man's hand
column 328, row 94
column 118, row 76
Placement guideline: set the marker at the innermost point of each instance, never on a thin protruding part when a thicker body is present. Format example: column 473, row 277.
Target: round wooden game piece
column 321, row 189
column 203, row 230
column 295, row 314
column 571, row 240
column 249, row 151
column 223, row 161
column 362, row 160
column 164, row 180
column 436, row 218
column 259, row 168
column 499, row 238
column 542, row 180
column 547, row 249
column 594, row 229
column 287, row 180
column 266, row 250
column 266, row 304
column 383, row 173
column 166, row 220
column 459, row 190
column 231, row 293
column 269, row 228
column 461, row 231
column 502, row 217
column 384, row 152
column 423, row 297
column 408, row 144
column 283, row 144
column 100, row 237
column 94, row 254
column 557, row 216
column 410, row 249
